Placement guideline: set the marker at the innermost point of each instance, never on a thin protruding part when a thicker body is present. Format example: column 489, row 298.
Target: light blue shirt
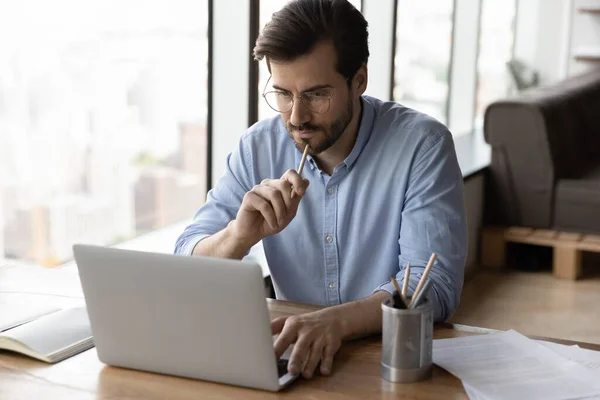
column 397, row 198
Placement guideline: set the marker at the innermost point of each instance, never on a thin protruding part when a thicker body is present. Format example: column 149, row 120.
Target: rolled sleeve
column 434, row 221
column 223, row 201
column 185, row 246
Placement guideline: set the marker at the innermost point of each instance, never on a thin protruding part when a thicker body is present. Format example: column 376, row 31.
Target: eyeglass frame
column 264, row 94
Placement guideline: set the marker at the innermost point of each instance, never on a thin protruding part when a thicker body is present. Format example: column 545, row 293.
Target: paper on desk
column 472, row 393
column 475, row 395
column 556, row 347
column 508, row 365
column 588, row 358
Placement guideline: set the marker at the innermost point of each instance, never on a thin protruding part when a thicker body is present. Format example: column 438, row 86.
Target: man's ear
column 361, row 79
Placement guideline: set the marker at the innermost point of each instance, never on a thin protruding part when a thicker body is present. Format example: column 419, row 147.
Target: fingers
column 275, row 197
column 288, row 336
column 284, row 187
column 293, row 192
column 272, row 198
column 299, row 356
column 327, row 359
column 314, row 357
column 311, row 345
column 296, row 181
column 277, row 325
column 253, row 201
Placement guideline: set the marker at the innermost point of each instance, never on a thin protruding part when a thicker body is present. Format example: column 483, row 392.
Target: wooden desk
column 356, row 373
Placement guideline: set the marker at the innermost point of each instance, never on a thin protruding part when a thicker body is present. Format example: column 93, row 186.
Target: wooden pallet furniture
column 567, row 246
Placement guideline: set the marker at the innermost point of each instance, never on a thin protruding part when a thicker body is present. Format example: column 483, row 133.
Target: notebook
column 50, row 338
column 17, row 313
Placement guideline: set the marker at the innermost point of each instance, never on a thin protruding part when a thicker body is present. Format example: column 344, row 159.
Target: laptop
column 195, row 317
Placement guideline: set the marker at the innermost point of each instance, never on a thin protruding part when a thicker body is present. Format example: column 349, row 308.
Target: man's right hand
column 268, row 208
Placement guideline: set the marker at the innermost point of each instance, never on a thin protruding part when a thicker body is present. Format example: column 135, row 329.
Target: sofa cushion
column 577, row 203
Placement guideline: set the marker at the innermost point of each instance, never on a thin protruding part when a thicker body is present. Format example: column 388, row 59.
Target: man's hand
column 265, row 210
column 268, row 208
column 317, row 337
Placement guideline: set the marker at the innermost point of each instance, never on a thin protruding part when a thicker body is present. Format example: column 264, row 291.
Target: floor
column 533, row 303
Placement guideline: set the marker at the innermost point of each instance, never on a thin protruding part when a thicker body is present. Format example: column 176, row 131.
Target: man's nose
column 299, row 113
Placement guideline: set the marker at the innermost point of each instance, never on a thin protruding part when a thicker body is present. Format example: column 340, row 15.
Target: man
column 385, row 188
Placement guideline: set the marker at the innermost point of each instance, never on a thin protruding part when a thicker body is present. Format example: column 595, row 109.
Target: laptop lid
column 196, row 317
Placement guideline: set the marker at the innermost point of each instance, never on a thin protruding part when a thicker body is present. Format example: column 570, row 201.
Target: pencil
column 398, row 300
column 422, row 280
column 423, row 293
column 301, row 167
column 395, row 282
column 406, row 279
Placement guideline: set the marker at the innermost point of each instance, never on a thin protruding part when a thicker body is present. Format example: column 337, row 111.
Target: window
column 267, row 8
column 496, row 40
column 422, row 59
column 103, row 109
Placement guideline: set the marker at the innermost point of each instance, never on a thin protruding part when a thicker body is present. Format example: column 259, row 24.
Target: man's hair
column 295, row 30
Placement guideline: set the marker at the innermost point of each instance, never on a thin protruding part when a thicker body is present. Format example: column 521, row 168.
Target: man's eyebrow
column 310, row 89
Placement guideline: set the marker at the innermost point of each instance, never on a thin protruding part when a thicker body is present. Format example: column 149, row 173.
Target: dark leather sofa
column 545, row 167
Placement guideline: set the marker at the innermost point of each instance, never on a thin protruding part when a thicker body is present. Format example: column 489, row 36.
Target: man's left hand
column 317, row 336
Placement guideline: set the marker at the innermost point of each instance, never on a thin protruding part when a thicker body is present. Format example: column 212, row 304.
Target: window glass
column 103, row 108
column 422, row 59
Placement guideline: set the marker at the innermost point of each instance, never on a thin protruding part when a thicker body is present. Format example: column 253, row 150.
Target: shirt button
column 329, row 239
column 330, row 190
column 331, row 285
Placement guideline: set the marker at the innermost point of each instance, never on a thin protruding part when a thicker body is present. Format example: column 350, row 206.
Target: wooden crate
column 567, row 247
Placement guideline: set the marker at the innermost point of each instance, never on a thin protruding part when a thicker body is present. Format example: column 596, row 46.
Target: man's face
column 314, row 74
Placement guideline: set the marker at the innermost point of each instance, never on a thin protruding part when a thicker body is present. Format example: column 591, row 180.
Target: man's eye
column 282, row 94
column 316, row 95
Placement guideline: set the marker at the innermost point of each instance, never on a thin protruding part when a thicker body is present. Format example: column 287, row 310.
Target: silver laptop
column 195, row 317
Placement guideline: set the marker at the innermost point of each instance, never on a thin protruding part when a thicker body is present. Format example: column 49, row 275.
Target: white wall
column 380, row 16
column 465, row 41
column 584, row 36
column 542, row 37
column 549, row 33
column 2, row 222
column 230, row 78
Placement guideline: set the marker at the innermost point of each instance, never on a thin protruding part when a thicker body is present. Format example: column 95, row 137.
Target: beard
column 330, row 133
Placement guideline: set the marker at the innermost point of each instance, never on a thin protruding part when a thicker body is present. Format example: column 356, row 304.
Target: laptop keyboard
column 282, row 366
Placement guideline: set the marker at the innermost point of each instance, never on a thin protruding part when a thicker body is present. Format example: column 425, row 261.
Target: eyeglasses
column 282, row 102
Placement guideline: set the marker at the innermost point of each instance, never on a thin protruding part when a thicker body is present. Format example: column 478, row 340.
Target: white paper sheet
column 588, row 358
column 556, row 347
column 508, row 365
column 472, row 393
